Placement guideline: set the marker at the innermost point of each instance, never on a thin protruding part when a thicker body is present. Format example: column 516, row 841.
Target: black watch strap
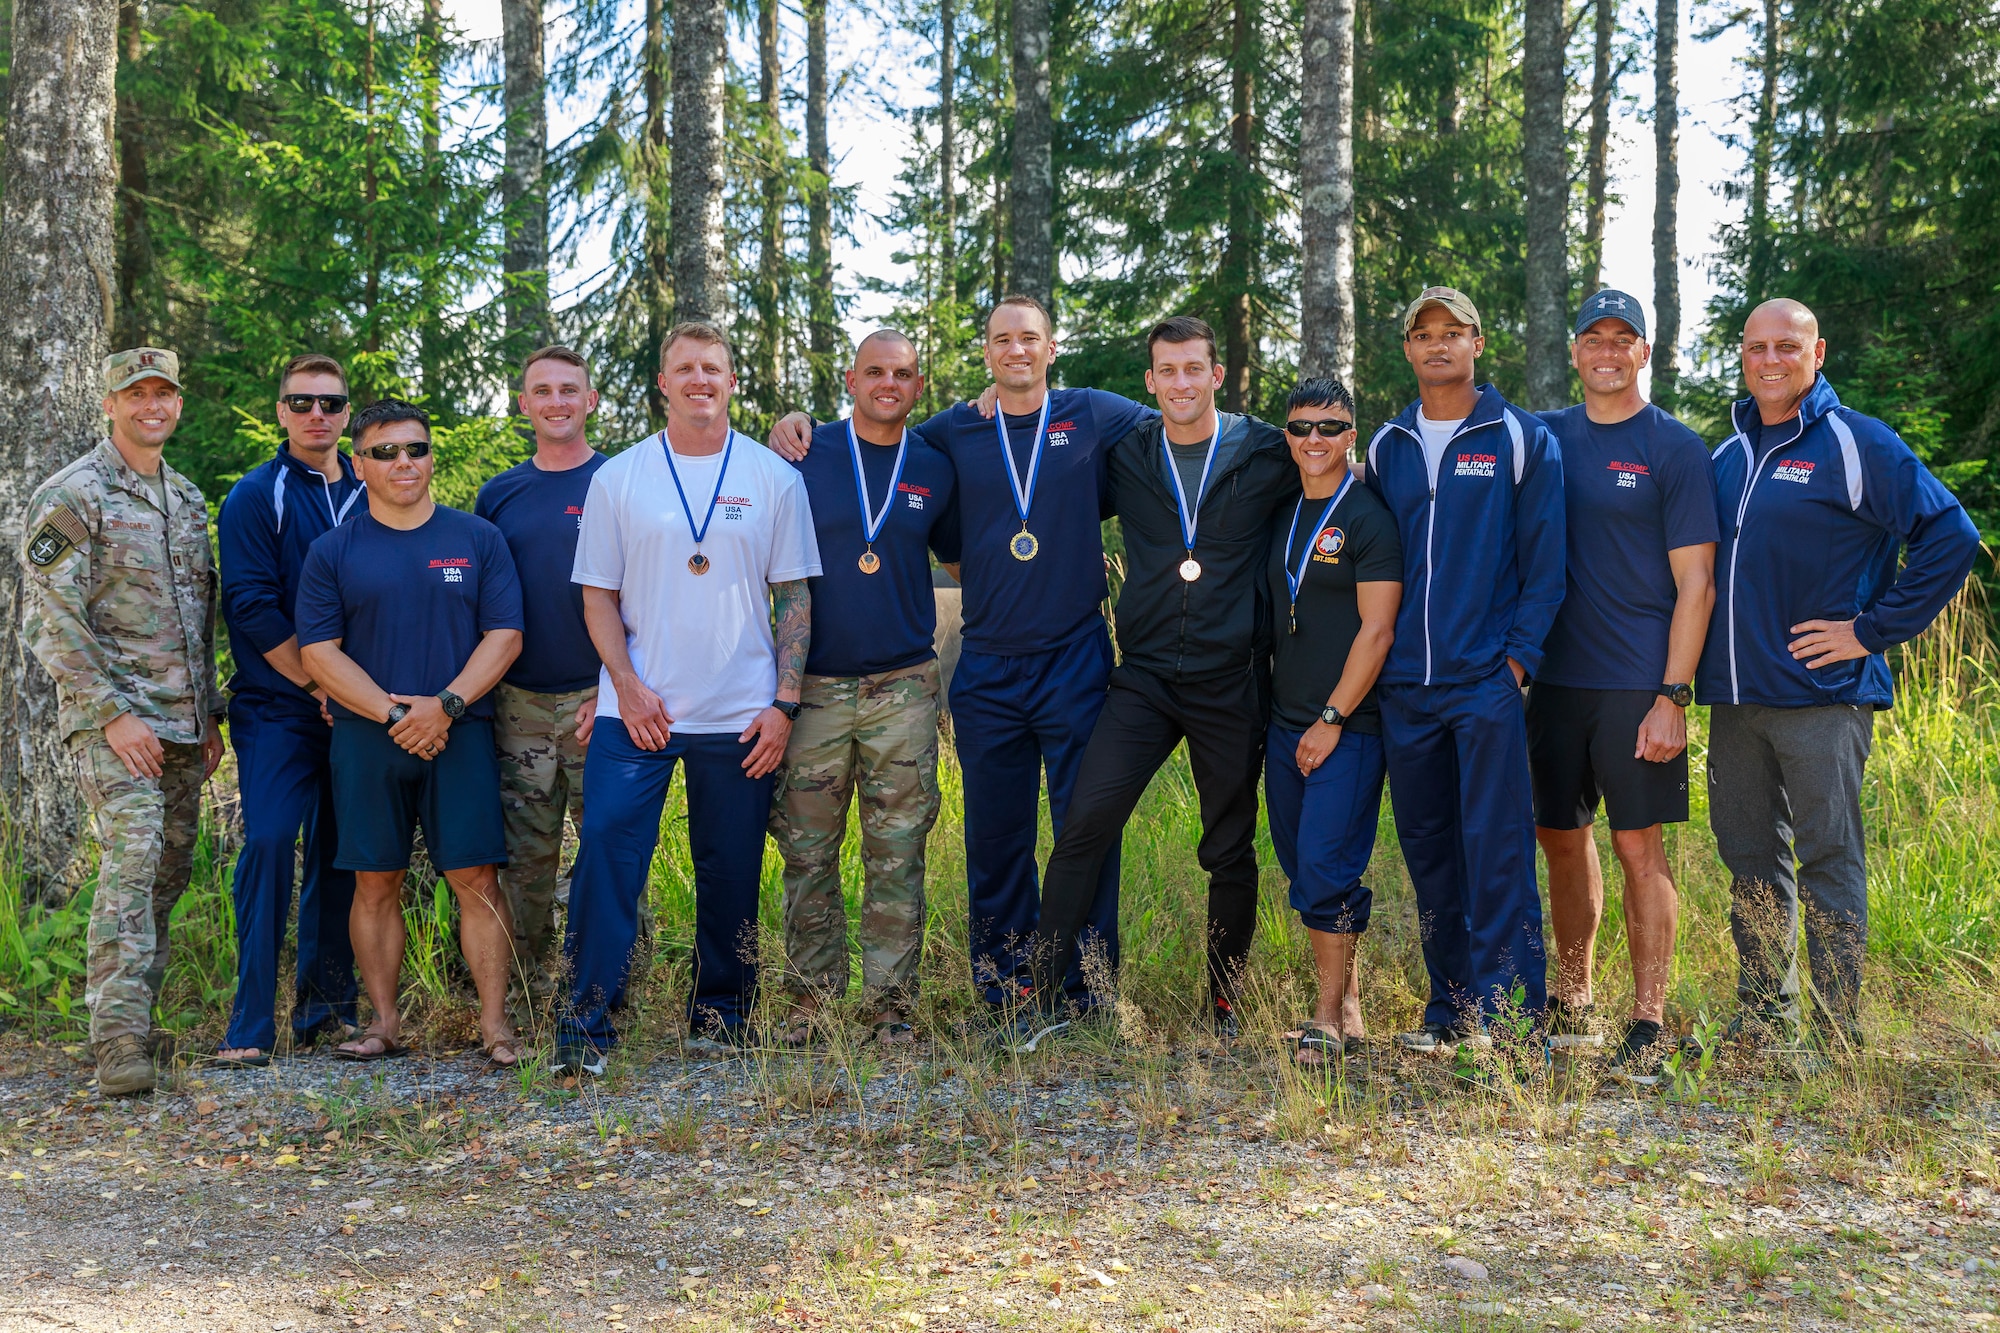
column 454, row 706
column 1679, row 695
column 790, row 710
column 1332, row 716
column 397, row 713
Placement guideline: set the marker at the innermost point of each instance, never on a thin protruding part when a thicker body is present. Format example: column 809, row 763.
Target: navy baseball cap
column 1612, row 304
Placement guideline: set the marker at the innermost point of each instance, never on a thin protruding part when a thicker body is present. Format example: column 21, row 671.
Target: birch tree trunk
column 523, row 190
column 1031, row 195
column 1666, row 203
column 1546, row 214
column 700, row 28
column 819, row 221
column 58, row 302
column 1326, row 191
column 1596, row 174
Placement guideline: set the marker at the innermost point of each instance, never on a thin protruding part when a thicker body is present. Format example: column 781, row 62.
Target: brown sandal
column 516, row 1050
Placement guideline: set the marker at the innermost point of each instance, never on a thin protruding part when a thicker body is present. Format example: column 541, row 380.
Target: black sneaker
column 1571, row 1027
column 1637, row 1058
column 1440, row 1039
column 1027, row 1029
column 576, row 1058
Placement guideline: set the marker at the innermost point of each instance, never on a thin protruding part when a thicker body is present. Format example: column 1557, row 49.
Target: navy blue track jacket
column 1483, row 557
column 268, row 520
column 1813, row 512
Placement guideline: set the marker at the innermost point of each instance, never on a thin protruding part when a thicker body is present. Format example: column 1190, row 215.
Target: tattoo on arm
column 793, row 603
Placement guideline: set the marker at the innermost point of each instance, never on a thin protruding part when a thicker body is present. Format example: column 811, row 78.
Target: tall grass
column 1932, row 803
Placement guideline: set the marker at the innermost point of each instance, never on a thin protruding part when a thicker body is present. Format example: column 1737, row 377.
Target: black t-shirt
column 1356, row 543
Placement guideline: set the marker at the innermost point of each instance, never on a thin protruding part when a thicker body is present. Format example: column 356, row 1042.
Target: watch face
column 1683, row 695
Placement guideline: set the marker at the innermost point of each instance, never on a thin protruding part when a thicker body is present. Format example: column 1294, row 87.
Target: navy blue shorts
column 382, row 792
column 1323, row 826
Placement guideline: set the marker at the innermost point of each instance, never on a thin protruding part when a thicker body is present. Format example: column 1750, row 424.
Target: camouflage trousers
column 541, row 779
column 147, row 829
column 878, row 735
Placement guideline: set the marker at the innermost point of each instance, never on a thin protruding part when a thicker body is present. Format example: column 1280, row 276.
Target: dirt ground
column 1194, row 1190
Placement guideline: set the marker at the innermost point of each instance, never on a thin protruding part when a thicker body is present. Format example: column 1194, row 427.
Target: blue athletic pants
column 1011, row 718
column 1323, row 826
column 286, row 780
column 625, row 789
column 1458, row 780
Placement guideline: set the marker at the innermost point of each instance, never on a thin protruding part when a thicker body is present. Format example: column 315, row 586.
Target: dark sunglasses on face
column 333, row 404
column 1330, row 429
column 386, row 453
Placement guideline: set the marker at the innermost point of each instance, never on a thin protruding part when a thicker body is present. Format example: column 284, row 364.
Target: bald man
column 1817, row 503
column 882, row 499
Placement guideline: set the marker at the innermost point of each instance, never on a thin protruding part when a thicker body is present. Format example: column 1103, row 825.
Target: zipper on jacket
column 1430, row 524
column 1736, row 544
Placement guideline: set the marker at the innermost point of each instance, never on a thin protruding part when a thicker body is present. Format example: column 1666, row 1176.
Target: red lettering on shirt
column 910, row 489
column 732, row 500
column 1062, row 425
column 455, row 560
column 1617, row 466
column 573, row 509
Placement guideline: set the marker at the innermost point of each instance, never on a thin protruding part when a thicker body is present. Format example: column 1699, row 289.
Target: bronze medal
column 698, row 563
column 869, row 562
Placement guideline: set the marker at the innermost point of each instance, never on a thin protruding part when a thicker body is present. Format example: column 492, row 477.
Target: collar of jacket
column 128, row 480
column 1820, row 402
column 1152, row 431
column 306, row 471
column 1484, row 413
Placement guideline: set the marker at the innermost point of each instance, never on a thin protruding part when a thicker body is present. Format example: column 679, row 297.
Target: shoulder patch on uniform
column 61, row 531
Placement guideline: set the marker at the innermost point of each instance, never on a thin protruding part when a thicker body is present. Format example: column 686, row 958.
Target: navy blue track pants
column 1458, row 780
column 625, row 788
column 285, row 776
column 1013, row 717
column 1323, row 826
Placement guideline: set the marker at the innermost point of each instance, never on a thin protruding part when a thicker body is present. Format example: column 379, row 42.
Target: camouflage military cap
column 123, row 369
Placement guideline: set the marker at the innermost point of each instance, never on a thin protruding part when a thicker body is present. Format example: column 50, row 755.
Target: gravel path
column 1185, row 1190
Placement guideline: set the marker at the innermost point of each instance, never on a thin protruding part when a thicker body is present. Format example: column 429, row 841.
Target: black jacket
column 1221, row 623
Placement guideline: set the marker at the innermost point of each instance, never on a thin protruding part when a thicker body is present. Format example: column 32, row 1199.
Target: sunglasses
column 386, row 453
column 1330, row 429
column 333, row 404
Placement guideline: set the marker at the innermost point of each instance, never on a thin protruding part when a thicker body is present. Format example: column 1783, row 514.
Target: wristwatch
column 397, row 713
column 454, row 707
column 1680, row 695
column 790, row 710
column 1332, row 716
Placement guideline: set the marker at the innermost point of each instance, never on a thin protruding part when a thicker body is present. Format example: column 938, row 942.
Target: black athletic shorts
column 1580, row 745
column 381, row 792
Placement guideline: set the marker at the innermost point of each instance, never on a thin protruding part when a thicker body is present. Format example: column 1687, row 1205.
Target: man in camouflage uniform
column 543, row 709
column 121, row 610
column 882, row 499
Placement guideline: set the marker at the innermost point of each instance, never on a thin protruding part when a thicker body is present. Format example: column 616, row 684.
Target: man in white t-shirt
column 690, row 538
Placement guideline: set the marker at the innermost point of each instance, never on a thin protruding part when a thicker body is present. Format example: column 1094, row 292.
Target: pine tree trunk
column 1546, row 214
column 371, row 187
column 1031, row 195
column 1240, row 242
column 135, row 242
column 700, row 29
column 658, row 274
column 1595, row 181
column 1326, row 191
column 1666, row 203
column 523, row 189
column 943, row 362
column 771, row 222
column 58, row 302
column 819, row 221
column 430, row 341
column 1763, row 139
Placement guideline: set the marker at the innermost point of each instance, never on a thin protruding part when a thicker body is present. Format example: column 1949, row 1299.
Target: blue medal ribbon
column 708, row 516
column 1024, row 545
column 1190, row 515
column 872, row 520
column 1295, row 579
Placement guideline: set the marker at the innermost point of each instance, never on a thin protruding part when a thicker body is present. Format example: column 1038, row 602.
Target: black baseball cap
column 1612, row 304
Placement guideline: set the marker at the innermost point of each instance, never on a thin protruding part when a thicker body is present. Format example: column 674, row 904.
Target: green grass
column 1932, row 803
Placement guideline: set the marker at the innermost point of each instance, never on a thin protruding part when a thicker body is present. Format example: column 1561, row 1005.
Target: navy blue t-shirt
column 1016, row 607
column 409, row 607
column 868, row 623
column 539, row 514
column 1631, row 492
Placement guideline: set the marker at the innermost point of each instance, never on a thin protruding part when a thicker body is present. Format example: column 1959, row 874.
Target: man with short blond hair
column 278, row 725
column 120, row 609
column 543, row 707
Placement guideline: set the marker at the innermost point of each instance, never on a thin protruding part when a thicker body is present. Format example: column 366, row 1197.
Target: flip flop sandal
column 892, row 1032
column 795, row 1033
column 1327, row 1045
column 391, row 1049
column 261, row 1060
column 517, row 1051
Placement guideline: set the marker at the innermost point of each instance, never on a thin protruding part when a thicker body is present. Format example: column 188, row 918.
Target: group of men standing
column 1527, row 606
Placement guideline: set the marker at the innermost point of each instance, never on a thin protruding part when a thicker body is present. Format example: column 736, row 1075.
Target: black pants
column 1144, row 717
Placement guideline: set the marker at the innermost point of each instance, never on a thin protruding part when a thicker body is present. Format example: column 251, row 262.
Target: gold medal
column 869, row 561
column 1190, row 569
column 1024, row 546
column 698, row 563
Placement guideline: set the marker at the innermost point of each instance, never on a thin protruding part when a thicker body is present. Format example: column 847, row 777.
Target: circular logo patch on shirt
column 1330, row 541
